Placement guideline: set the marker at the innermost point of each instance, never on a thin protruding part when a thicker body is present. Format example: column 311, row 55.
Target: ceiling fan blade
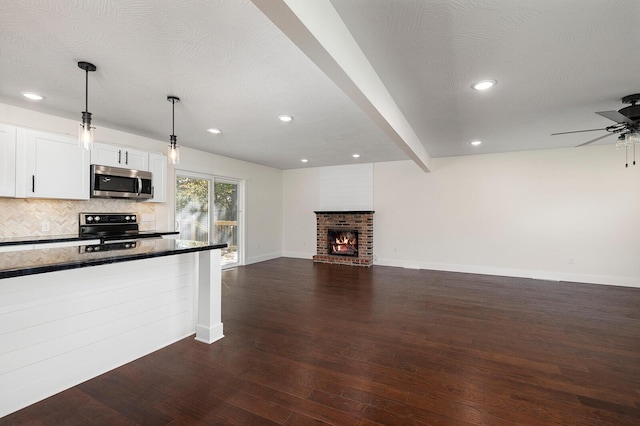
column 577, row 131
column 616, row 116
column 594, row 140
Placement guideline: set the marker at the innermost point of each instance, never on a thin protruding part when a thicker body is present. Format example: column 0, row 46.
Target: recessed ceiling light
column 285, row 118
column 476, row 143
column 32, row 96
column 356, row 155
column 214, row 131
column 304, row 160
column 484, row 84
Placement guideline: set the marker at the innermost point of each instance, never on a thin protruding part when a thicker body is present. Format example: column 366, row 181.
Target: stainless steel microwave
column 114, row 182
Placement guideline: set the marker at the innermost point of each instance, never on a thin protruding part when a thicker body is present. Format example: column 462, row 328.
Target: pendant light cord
column 86, row 91
column 173, row 100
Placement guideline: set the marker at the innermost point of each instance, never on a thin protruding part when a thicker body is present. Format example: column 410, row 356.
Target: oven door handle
column 133, row 238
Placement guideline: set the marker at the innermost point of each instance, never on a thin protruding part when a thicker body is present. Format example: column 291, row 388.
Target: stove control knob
column 97, row 218
column 96, row 249
column 89, row 218
column 126, row 218
column 89, row 248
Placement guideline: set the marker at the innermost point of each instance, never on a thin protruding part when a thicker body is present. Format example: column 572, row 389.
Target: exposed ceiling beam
column 317, row 29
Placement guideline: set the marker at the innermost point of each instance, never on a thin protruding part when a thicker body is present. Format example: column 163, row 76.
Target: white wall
column 300, row 198
column 263, row 185
column 518, row 214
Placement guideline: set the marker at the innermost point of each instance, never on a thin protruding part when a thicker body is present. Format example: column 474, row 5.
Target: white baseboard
column 262, row 258
column 209, row 334
column 520, row 273
column 298, row 254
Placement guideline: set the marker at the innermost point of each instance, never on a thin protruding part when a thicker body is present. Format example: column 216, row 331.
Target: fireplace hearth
column 344, row 237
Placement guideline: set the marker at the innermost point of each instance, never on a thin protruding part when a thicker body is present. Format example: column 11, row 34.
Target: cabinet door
column 158, row 169
column 134, row 159
column 7, row 161
column 119, row 156
column 56, row 167
column 106, row 155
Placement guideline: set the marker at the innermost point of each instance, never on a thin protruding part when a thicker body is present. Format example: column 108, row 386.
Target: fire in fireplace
column 343, row 243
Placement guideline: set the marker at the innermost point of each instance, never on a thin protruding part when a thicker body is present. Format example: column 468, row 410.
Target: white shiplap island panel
column 58, row 329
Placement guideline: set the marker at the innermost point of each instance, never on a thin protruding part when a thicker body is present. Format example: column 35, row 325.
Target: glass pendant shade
column 85, row 138
column 174, row 152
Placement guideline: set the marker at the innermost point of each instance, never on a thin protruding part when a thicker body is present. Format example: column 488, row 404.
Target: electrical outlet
column 45, row 226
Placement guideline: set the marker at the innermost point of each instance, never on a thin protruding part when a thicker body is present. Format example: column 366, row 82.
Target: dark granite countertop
column 43, row 239
column 38, row 261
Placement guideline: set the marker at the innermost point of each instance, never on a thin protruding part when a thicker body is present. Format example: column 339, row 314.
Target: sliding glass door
column 196, row 220
column 226, row 219
column 193, row 195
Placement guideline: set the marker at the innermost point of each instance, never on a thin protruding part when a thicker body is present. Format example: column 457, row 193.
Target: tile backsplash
column 25, row 217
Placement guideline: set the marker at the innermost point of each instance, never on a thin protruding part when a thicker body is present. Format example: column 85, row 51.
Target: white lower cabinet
column 53, row 166
column 7, row 161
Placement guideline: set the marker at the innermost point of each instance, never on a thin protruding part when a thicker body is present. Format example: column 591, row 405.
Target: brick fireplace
column 345, row 225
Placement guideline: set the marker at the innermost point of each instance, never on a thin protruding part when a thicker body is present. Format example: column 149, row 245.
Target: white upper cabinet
column 54, row 167
column 119, row 156
column 7, row 161
column 158, row 169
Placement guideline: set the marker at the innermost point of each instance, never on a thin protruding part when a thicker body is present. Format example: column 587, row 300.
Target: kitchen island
column 67, row 315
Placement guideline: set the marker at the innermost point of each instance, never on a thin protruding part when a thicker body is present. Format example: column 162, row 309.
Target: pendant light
column 174, row 154
column 85, row 139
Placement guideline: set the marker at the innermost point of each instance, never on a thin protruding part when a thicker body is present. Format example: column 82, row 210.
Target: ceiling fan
column 627, row 125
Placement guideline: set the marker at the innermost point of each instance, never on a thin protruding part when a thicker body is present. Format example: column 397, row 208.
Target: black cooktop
column 113, row 226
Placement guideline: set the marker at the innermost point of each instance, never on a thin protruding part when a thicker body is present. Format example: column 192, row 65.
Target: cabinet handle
column 33, row 183
column 126, row 158
column 119, row 156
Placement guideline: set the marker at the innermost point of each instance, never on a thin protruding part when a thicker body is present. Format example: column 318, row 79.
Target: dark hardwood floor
column 308, row 344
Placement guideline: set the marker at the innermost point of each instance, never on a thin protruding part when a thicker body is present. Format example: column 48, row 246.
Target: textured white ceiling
column 556, row 63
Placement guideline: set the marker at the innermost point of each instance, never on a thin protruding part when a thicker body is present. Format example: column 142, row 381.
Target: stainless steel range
column 112, row 227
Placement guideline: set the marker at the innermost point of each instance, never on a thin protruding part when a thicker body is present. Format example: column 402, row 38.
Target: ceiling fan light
column 631, row 138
